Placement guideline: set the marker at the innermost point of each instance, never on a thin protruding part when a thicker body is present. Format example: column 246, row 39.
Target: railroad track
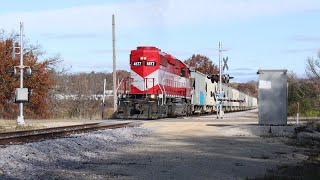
column 19, row 137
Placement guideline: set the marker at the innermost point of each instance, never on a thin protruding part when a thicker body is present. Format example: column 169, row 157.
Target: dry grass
column 11, row 125
column 7, row 123
column 37, row 124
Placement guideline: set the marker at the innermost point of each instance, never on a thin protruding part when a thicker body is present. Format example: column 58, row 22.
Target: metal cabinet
column 273, row 97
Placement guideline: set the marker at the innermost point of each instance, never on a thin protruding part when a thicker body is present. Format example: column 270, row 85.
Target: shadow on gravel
column 168, row 157
column 305, row 171
column 183, row 157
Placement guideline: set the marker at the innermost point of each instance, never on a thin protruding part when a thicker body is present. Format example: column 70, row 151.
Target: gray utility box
column 22, row 95
column 273, row 97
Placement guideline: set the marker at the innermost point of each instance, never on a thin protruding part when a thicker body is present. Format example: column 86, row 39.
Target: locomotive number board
column 148, row 63
column 138, row 63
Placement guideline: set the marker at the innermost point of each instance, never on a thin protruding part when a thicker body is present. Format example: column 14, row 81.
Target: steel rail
column 51, row 133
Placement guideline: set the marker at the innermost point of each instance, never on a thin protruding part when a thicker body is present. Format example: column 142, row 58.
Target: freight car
column 205, row 96
column 160, row 85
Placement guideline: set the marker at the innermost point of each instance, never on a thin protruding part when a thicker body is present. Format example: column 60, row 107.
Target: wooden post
column 298, row 111
column 103, row 98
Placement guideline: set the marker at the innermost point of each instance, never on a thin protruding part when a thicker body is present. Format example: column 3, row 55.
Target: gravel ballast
column 64, row 157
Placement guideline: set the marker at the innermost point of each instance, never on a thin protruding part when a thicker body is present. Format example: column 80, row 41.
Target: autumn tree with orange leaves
column 39, row 82
column 202, row 64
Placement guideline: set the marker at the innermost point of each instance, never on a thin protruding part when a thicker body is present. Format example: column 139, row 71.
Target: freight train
column 161, row 86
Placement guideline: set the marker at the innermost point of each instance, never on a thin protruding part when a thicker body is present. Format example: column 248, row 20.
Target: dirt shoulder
column 206, row 148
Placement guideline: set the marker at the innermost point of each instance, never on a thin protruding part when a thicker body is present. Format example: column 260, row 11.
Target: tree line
column 305, row 91
column 79, row 95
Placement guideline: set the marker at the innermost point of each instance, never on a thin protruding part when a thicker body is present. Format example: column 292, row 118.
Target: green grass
column 311, row 113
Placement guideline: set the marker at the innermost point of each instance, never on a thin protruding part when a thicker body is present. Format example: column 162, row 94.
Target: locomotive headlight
column 153, row 96
column 143, row 58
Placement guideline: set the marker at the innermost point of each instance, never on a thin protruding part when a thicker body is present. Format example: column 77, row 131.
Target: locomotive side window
column 137, row 63
column 183, row 72
column 150, row 63
column 163, row 60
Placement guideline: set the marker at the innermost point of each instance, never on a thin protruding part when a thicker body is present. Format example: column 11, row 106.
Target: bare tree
column 313, row 68
column 78, row 95
column 313, row 72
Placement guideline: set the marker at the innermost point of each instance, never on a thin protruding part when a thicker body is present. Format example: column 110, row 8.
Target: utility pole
column 115, row 98
column 20, row 120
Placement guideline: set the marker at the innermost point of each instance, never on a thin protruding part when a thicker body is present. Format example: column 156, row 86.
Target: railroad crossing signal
column 225, row 65
column 28, row 71
column 224, row 77
column 214, row 78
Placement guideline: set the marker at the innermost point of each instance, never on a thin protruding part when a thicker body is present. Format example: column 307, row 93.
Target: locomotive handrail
column 120, row 84
column 164, row 90
column 162, row 93
column 146, row 89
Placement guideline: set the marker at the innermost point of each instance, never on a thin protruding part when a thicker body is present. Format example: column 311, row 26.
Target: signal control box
column 273, row 97
column 22, row 95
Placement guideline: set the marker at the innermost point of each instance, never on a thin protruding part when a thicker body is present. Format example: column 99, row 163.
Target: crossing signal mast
column 22, row 94
column 221, row 78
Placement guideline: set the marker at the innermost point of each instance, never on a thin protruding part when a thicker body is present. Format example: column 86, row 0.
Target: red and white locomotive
column 163, row 86
column 159, row 86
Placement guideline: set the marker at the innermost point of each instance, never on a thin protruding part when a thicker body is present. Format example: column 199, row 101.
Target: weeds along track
column 19, row 137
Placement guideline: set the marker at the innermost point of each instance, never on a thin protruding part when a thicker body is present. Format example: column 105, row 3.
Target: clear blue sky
column 269, row 34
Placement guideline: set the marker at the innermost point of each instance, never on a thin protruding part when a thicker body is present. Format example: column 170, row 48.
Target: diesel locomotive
column 161, row 85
